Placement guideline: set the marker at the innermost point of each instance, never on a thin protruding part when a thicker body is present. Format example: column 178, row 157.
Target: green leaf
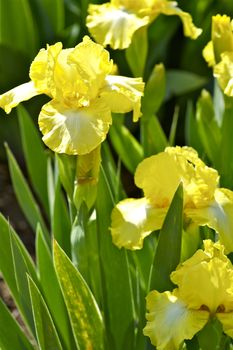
column 191, row 129
column 85, row 316
column 136, row 53
column 11, row 335
column 126, row 146
column 11, row 251
column 24, row 194
column 168, row 251
column 34, row 152
column 117, row 288
column 54, row 15
column 226, row 156
column 181, row 82
column 52, row 292
column 208, row 128
column 154, row 90
column 18, row 31
column 113, row 172
column 61, row 227
column 67, row 168
column 45, row 329
column 156, row 137
column 21, row 271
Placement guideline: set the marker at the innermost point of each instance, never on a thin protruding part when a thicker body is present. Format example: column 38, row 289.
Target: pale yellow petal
column 223, row 71
column 159, row 178
column 76, row 131
column 112, row 25
column 170, row 322
column 133, row 220
column 123, row 94
column 222, row 36
column 92, row 63
column 42, row 69
column 13, row 97
column 227, row 322
column 218, row 215
column 170, row 8
column 208, row 54
column 206, row 279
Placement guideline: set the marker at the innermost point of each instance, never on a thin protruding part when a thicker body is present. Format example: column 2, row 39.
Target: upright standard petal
column 123, row 94
column 42, row 69
column 222, row 36
column 21, row 93
column 74, row 131
column 170, row 321
column 133, row 220
column 160, row 175
column 206, row 284
column 92, row 63
column 159, row 178
column 113, row 25
column 170, row 8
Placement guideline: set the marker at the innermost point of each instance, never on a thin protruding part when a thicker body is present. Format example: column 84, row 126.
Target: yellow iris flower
column 114, row 23
column 218, row 53
column 204, row 289
column 159, row 176
column 83, row 93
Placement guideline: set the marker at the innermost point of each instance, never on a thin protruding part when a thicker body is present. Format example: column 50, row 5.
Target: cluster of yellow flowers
column 84, row 91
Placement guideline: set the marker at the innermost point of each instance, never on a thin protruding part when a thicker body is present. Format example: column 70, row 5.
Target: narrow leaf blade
column 85, row 317
column 168, row 251
column 45, row 330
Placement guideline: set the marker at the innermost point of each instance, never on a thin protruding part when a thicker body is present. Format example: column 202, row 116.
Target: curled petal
column 133, row 220
column 170, row 322
column 74, row 131
column 13, row 97
column 223, row 71
column 123, row 94
column 170, row 8
column 112, row 25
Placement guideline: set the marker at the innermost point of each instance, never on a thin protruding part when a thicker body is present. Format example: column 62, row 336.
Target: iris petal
column 170, row 321
column 133, row 220
column 21, row 93
column 76, row 131
column 114, row 26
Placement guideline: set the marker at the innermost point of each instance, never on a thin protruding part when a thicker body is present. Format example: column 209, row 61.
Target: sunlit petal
column 218, row 215
column 74, row 131
column 223, row 71
column 170, row 322
column 42, row 69
column 227, row 322
column 123, row 94
column 133, row 220
column 170, row 8
column 112, row 25
column 13, row 97
column 208, row 54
